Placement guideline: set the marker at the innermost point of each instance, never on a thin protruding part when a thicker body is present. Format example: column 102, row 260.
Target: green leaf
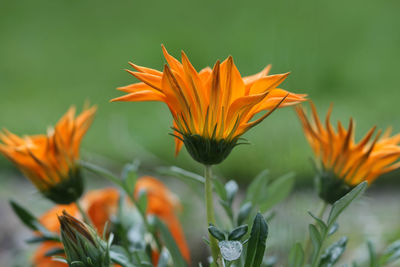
column 25, row 216
column 181, row 173
column 316, row 240
column 170, row 243
column 40, row 239
column 296, row 256
column 231, row 188
column 244, row 212
column 230, row 250
column 270, row 261
column 31, row 221
column 215, row 232
column 321, row 223
column 256, row 187
column 391, row 253
column 142, row 201
column 54, row 252
column 257, row 242
column 238, row 233
column 101, row 171
column 220, row 190
column 129, row 176
column 333, row 253
column 340, row 205
column 164, row 258
column 119, row 256
column 372, row 255
column 277, row 191
column 333, row 229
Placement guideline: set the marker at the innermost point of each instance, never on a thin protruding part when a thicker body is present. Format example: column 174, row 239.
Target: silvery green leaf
column 165, row 257
column 333, row 253
column 333, row 229
column 230, row 250
column 244, row 212
column 231, row 188
column 391, row 253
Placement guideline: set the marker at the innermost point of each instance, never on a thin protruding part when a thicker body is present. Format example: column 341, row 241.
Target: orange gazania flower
column 211, row 108
column 50, row 161
column 100, row 205
column 342, row 162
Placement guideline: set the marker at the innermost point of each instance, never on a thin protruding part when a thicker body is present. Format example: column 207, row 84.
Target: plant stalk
column 210, row 211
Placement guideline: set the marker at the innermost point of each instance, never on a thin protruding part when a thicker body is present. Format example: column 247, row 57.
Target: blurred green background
column 57, row 53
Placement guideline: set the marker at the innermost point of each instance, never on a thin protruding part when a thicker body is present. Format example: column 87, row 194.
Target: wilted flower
column 101, row 205
column 342, row 164
column 211, row 108
column 50, row 161
column 82, row 244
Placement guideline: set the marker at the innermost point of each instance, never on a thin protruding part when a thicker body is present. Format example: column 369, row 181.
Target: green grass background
column 57, row 53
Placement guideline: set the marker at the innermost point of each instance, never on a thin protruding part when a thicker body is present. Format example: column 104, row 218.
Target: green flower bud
column 83, row 247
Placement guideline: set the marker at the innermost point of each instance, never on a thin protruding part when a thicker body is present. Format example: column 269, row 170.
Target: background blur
column 57, row 53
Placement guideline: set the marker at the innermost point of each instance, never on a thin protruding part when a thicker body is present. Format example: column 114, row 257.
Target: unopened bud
column 82, row 245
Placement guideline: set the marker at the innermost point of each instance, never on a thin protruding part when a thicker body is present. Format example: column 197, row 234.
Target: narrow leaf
column 170, row 243
column 215, row 232
column 333, row 253
column 340, row 205
column 277, row 191
column 256, row 187
column 25, row 216
column 321, row 223
column 315, row 239
column 257, row 242
column 238, row 232
column 181, row 173
column 296, row 256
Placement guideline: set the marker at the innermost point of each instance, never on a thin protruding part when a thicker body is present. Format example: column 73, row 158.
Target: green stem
column 210, row 211
column 85, row 217
column 320, row 214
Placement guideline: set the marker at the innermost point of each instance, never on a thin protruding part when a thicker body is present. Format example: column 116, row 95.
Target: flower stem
column 210, row 211
column 85, row 217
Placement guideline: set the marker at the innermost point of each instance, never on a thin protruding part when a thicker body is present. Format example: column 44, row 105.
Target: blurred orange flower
column 338, row 153
column 101, row 204
column 211, row 108
column 49, row 161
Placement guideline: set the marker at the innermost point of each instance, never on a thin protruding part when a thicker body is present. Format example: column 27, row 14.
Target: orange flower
column 211, row 108
column 100, row 205
column 343, row 162
column 49, row 161
column 163, row 203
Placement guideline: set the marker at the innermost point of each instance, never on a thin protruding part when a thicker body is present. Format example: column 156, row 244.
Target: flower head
column 342, row 162
column 212, row 108
column 50, row 161
column 82, row 244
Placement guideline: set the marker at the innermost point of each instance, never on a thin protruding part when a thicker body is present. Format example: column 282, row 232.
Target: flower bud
column 81, row 243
